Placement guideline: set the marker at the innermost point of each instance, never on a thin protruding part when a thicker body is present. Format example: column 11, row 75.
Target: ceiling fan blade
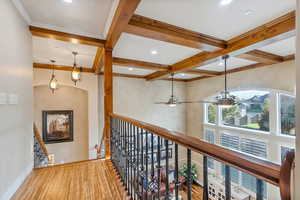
column 161, row 103
column 182, row 102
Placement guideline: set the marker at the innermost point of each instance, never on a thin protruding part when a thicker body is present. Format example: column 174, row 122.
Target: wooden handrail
column 259, row 168
column 285, row 176
column 39, row 139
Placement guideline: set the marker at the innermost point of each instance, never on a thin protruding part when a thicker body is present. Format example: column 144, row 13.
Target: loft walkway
column 87, row 180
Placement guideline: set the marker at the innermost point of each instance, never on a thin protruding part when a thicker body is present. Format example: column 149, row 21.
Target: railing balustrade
column 147, row 160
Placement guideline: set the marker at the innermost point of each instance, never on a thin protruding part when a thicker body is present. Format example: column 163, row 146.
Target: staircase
column 41, row 156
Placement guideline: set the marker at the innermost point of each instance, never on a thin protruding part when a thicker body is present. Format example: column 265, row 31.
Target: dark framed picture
column 57, row 126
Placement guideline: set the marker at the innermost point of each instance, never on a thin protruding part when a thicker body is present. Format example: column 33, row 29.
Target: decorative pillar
column 108, row 99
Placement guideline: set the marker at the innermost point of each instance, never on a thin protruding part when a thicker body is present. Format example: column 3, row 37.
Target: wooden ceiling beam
column 123, row 14
column 139, row 64
column 99, row 60
column 245, row 68
column 60, row 67
column 262, row 57
column 276, row 30
column 154, row 29
column 66, row 37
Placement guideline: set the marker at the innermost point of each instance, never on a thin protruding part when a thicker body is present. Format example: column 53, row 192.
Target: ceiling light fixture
column 53, row 84
column 76, row 72
column 248, row 12
column 130, row 68
column 182, row 74
column 225, row 2
column 68, row 1
column 153, row 52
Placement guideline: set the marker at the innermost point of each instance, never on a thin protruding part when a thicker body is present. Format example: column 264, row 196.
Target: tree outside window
column 287, row 115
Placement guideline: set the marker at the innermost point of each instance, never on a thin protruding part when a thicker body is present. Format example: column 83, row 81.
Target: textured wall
column 16, row 133
column 66, row 98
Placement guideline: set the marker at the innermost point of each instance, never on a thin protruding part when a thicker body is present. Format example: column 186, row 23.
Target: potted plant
column 184, row 172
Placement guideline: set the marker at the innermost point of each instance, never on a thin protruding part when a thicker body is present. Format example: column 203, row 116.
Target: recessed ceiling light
column 153, row 52
column 248, row 12
column 130, row 68
column 182, row 74
column 225, row 2
column 220, row 64
column 68, row 1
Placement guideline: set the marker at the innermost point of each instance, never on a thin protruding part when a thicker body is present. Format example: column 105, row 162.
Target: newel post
column 108, row 98
column 286, row 169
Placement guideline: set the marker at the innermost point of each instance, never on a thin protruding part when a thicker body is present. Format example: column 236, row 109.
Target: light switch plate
column 3, row 98
column 13, row 99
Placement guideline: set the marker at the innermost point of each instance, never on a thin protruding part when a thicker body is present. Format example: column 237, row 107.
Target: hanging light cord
column 225, row 60
column 172, row 84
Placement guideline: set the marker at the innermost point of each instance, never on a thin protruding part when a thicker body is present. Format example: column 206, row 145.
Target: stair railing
column 147, row 159
column 41, row 155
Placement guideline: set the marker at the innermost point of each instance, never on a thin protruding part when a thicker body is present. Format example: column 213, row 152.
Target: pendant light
column 53, row 84
column 76, row 72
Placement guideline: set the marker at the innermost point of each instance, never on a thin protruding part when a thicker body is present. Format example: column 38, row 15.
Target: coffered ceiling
column 91, row 18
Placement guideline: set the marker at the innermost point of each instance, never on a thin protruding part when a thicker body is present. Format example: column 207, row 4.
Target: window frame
column 279, row 114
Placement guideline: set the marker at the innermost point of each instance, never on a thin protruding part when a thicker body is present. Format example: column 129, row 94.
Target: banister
column 39, row 139
column 259, row 168
column 285, row 176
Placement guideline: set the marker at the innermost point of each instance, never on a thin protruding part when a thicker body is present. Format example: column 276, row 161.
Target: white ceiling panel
column 139, row 48
column 128, row 70
column 232, row 63
column 45, row 49
column 185, row 76
column 283, row 48
column 210, row 17
column 86, row 17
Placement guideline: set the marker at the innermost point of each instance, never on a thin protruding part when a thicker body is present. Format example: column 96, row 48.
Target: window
column 249, row 182
column 230, row 141
column 210, row 138
column 287, row 115
column 211, row 114
column 251, row 113
column 283, row 151
column 254, row 147
column 234, row 174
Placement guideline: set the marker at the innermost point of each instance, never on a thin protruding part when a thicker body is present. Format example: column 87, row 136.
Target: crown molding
column 23, row 12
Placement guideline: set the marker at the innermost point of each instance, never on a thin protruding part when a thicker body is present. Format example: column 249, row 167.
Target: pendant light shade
column 76, row 72
column 53, row 84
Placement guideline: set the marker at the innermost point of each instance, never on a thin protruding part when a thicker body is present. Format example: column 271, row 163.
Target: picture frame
column 57, row 126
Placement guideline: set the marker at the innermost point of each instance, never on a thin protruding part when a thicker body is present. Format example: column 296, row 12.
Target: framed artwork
column 57, row 126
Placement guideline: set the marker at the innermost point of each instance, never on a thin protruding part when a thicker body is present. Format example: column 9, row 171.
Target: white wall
column 16, row 133
column 89, row 83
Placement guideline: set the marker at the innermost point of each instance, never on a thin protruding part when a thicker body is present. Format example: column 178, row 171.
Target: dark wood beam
column 289, row 57
column 60, row 67
column 124, row 12
column 67, row 37
column 202, row 72
column 276, row 30
column 99, row 60
column 261, row 57
column 154, row 29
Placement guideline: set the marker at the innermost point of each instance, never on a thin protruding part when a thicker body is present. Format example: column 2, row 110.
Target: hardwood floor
column 89, row 180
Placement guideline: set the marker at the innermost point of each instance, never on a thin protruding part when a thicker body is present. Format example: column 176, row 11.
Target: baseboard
column 15, row 186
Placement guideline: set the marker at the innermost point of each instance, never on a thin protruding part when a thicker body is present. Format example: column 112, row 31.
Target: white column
column 297, row 178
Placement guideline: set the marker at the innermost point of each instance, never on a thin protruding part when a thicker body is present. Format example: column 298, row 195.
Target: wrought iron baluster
column 205, row 178
column 142, row 162
column 227, row 183
column 138, row 164
column 131, row 159
column 189, row 174
column 176, row 172
column 259, row 189
column 167, row 170
column 146, row 163
column 158, row 167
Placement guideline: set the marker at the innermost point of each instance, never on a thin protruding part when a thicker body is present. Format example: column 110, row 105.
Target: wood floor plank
column 88, row 180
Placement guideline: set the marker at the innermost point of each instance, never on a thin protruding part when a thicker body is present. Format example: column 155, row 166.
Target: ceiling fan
column 225, row 99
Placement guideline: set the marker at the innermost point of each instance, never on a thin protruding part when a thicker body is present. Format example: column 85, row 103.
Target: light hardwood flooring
column 89, row 180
